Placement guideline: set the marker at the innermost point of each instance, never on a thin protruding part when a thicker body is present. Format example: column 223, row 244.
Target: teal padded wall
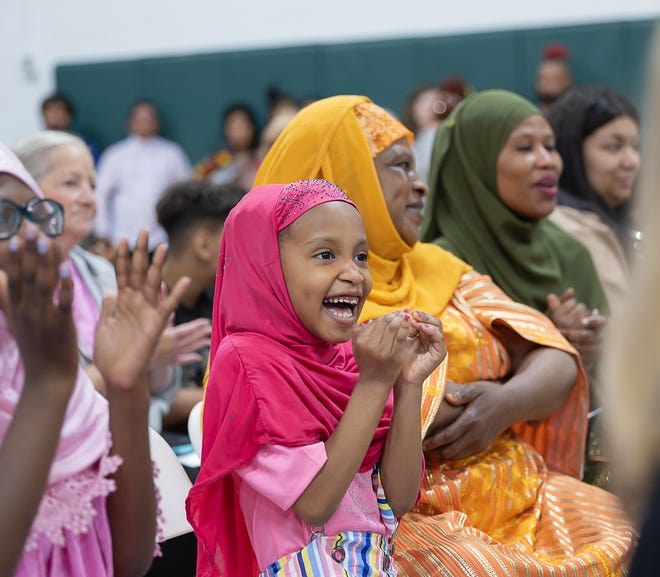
column 191, row 91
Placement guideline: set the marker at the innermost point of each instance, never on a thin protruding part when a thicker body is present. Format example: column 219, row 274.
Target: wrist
column 136, row 391
column 408, row 398
column 50, row 388
column 382, row 385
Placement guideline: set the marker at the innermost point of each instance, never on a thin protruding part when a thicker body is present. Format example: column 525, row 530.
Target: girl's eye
column 324, row 255
column 524, row 148
column 615, row 147
column 361, row 257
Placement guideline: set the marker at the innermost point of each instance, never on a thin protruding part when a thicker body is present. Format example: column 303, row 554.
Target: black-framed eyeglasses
column 47, row 214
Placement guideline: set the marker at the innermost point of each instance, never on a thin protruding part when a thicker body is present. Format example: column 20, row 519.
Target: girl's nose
column 352, row 273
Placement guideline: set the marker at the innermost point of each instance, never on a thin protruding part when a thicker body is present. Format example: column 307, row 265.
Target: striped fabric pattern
column 507, row 511
column 363, row 555
column 347, row 554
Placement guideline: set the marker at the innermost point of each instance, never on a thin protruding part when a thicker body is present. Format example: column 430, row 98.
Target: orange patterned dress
column 503, row 512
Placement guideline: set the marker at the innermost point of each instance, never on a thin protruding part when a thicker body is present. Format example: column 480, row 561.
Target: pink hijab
column 271, row 381
column 84, row 434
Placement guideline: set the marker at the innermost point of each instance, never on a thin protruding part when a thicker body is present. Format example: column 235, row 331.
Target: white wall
column 35, row 35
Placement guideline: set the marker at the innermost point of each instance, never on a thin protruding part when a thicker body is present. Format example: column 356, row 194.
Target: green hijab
column 528, row 259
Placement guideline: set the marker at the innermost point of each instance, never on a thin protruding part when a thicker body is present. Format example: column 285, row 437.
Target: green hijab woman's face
column 528, row 169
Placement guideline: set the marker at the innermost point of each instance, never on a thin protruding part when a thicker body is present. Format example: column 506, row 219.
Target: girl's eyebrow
column 320, row 239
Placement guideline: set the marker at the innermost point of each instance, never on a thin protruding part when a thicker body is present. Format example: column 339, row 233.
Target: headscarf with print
column 337, row 139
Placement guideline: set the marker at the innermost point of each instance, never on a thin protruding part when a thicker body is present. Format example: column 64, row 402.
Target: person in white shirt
column 132, row 175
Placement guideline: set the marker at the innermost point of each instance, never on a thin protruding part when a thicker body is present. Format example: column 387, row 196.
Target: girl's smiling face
column 324, row 262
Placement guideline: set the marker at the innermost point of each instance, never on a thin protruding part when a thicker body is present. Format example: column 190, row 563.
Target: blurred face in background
column 56, row 117
column 553, row 78
column 612, row 161
column 143, row 121
column 425, row 112
column 70, row 180
column 240, row 132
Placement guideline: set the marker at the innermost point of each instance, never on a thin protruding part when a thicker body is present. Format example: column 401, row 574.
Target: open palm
column 133, row 319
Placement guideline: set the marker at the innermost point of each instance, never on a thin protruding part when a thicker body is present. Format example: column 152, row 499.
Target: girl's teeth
column 345, row 315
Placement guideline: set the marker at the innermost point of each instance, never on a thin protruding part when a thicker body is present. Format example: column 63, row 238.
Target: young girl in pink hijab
column 76, row 483
column 311, row 445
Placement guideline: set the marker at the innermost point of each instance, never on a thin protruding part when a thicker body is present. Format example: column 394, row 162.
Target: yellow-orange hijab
column 326, row 140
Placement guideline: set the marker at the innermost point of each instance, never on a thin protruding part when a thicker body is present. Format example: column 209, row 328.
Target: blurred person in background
column 193, row 214
column 236, row 161
column 427, row 107
column 57, row 113
column 632, row 377
column 597, row 134
column 553, row 75
column 132, row 174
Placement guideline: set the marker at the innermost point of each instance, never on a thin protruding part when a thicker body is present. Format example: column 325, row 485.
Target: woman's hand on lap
column 483, row 419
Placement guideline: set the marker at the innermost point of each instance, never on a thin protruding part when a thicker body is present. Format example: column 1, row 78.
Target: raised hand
column 133, row 319
column 43, row 327
column 380, row 348
column 426, row 349
column 580, row 326
column 178, row 345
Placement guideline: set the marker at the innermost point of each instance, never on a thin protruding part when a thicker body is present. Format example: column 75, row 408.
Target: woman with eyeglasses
column 76, row 485
column 64, row 170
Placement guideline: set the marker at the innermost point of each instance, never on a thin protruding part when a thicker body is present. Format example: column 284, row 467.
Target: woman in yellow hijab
column 500, row 495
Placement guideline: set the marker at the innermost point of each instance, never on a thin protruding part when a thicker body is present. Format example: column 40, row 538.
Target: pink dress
column 70, row 535
column 272, row 482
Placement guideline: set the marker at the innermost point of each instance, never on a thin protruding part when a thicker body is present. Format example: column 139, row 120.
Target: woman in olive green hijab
column 494, row 179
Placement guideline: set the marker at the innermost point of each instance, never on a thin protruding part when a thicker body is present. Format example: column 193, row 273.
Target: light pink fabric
column 85, row 555
column 85, row 310
column 274, row 480
column 78, row 474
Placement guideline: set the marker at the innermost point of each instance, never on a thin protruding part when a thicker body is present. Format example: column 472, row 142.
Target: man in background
column 57, row 113
column 553, row 75
column 132, row 175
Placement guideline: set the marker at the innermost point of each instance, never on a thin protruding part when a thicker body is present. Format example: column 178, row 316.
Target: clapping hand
column 133, row 319
column 426, row 349
column 42, row 326
column 580, row 326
